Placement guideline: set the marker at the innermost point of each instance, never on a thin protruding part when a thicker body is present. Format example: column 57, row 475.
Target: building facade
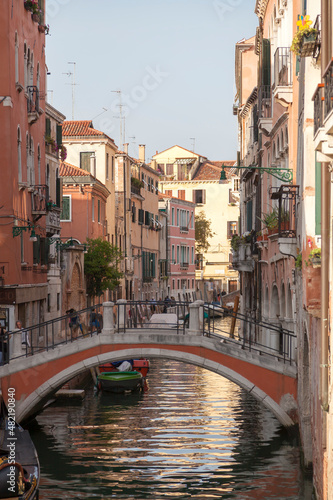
column 23, row 189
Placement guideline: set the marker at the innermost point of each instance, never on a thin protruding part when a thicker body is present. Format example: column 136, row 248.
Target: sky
column 172, row 61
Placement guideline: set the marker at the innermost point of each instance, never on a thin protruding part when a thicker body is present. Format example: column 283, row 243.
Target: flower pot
column 285, row 225
column 41, row 28
column 308, row 45
column 35, row 18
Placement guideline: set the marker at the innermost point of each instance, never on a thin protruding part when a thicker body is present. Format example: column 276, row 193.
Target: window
column 193, row 283
column 92, row 208
column 235, row 184
column 133, row 213
column 192, row 255
column 181, row 194
column 231, row 229
column 39, row 164
column 192, row 220
column 141, row 216
column 173, row 254
column 168, row 192
column 160, row 168
column 16, row 58
column 199, row 196
column 173, row 284
column 58, row 301
column 85, row 161
column 177, row 217
column 172, row 216
column 169, row 169
column 249, row 208
column 19, row 154
column 156, row 187
column 99, row 210
column 66, row 214
column 177, row 254
column 107, row 167
column 147, row 218
column 48, row 302
column 149, row 188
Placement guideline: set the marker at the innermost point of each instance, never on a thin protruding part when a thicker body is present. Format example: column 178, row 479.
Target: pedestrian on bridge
column 24, row 336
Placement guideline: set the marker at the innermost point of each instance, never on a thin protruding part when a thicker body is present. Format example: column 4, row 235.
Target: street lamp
column 18, row 230
column 283, row 174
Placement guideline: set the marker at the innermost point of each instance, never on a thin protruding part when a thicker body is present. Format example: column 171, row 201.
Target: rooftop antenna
column 122, row 123
column 72, row 74
column 193, row 143
column 99, row 114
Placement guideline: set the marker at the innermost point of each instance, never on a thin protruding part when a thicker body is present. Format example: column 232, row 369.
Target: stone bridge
column 37, row 377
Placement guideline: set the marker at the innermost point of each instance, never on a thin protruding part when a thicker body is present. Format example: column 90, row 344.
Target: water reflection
column 192, row 435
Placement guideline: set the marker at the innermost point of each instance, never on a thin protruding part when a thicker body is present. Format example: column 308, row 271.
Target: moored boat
column 19, row 465
column 139, row 365
column 120, row 381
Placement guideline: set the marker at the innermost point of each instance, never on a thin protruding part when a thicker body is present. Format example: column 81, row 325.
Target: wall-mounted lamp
column 18, row 230
column 283, row 174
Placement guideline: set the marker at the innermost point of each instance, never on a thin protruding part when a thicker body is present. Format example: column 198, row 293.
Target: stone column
column 121, row 313
column 15, row 345
column 108, row 326
column 196, row 318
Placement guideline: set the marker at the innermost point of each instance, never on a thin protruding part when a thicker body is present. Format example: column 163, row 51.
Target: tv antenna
column 193, row 143
column 121, row 120
column 72, row 74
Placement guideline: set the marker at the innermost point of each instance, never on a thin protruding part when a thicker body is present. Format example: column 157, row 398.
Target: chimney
column 126, row 147
column 153, row 164
column 142, row 153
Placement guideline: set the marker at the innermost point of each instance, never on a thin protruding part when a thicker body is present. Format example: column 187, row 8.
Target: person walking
column 25, row 342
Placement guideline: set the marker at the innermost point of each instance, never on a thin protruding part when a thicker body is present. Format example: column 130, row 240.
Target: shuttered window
column 59, row 135
column 141, row 216
column 266, row 62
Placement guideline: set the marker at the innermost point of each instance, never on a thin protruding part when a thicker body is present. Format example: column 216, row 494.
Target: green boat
column 120, row 381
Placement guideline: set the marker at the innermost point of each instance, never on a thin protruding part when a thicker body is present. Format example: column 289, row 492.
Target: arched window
column 16, row 58
column 277, row 147
column 38, row 77
column 274, row 152
column 31, row 75
column 28, row 67
column 25, row 66
column 19, row 154
column 286, row 136
column 39, row 167
column 48, row 175
column 31, row 177
column 282, row 141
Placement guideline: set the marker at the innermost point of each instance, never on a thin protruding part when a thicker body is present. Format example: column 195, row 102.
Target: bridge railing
column 253, row 335
column 49, row 334
column 161, row 315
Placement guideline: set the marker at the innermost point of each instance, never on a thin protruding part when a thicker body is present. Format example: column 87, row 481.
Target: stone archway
column 304, row 398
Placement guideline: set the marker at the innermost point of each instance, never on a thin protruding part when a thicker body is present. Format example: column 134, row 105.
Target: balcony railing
column 318, row 99
column 328, row 80
column 265, row 101
column 287, row 209
column 183, row 229
column 39, row 198
column 184, row 265
column 282, row 67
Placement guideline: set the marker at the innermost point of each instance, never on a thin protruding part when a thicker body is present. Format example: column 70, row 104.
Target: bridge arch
column 38, row 383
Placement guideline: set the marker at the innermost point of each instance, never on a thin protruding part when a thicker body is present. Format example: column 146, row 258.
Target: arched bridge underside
column 35, row 378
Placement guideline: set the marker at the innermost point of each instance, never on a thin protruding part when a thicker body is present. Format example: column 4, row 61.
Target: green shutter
column 59, row 135
column 58, row 191
column 36, row 250
column 47, row 127
column 317, row 197
column 266, row 62
column 249, row 215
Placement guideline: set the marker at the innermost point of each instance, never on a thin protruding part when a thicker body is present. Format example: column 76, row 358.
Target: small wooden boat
column 19, row 465
column 120, row 381
column 139, row 365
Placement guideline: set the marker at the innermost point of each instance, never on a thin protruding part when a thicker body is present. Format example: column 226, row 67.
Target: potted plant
column 136, row 182
column 262, row 236
column 298, row 261
column 44, row 28
column 315, row 257
column 270, row 221
column 235, row 242
column 304, row 42
column 63, row 152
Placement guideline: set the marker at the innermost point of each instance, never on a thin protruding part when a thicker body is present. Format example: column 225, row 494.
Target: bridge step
column 70, row 393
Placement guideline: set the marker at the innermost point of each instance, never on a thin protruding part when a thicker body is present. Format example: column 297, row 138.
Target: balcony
column 328, row 91
column 39, row 197
column 33, row 104
column 287, row 197
column 242, row 258
column 184, row 265
column 318, row 99
column 265, row 109
column 183, row 229
column 283, row 75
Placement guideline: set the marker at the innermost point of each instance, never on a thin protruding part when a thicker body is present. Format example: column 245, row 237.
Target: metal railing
column 287, row 196
column 318, row 108
column 265, row 101
column 328, row 79
column 39, row 199
column 282, row 67
column 53, row 333
column 214, row 327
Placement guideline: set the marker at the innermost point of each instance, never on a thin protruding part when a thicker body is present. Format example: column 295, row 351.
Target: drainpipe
column 325, row 242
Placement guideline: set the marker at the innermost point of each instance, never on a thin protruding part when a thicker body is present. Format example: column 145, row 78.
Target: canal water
column 193, row 434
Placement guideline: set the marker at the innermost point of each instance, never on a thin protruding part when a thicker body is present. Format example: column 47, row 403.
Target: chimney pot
column 142, row 153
